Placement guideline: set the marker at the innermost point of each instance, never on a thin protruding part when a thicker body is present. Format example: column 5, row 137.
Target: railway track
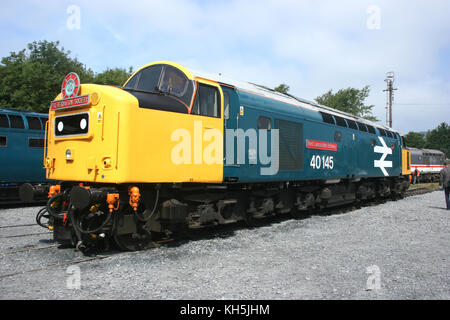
column 19, row 225
column 418, row 191
column 25, row 235
column 29, row 249
column 55, row 265
column 68, row 262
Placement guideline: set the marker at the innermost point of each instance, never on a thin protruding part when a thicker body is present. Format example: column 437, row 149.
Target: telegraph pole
column 390, row 89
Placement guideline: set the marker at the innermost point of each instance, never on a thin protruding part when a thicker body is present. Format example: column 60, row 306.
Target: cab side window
column 264, row 123
column 206, row 102
column 226, row 107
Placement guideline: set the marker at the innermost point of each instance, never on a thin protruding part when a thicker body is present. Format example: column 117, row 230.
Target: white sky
column 312, row 46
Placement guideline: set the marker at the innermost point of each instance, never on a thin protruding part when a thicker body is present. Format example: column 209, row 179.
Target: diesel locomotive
column 176, row 149
column 21, row 151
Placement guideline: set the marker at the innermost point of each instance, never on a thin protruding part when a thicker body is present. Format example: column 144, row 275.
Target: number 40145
column 322, row 162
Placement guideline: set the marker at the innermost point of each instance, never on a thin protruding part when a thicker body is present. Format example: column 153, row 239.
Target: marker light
column 83, row 124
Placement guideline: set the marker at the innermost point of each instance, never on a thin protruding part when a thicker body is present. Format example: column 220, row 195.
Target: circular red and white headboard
column 70, row 86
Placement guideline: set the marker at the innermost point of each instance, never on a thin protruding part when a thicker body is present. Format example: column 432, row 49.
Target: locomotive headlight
column 69, row 154
column 83, row 124
column 60, row 126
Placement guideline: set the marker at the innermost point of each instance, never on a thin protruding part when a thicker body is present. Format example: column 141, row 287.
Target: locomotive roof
column 431, row 151
column 268, row 93
column 287, row 98
column 22, row 112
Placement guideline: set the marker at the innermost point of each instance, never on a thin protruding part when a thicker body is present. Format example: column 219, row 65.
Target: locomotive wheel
column 299, row 214
column 93, row 247
column 253, row 222
column 134, row 242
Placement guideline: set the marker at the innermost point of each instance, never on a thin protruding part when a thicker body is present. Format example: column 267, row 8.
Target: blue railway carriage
column 21, row 153
column 176, row 148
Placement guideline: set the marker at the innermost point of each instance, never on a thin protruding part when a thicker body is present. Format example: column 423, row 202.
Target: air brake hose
column 95, row 230
column 74, row 222
column 49, row 205
column 153, row 211
column 40, row 215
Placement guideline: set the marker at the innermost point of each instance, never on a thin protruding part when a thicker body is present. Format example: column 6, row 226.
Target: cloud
column 311, row 46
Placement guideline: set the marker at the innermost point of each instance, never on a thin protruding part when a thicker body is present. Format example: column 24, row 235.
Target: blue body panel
column 21, row 159
column 354, row 157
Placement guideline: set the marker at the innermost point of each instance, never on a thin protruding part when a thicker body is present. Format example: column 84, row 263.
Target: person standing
column 444, row 182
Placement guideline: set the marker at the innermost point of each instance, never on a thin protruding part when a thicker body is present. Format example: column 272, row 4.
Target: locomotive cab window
column 132, row 83
column 161, row 87
column 206, row 102
column 174, row 82
column 3, row 141
column 149, row 78
column 4, row 123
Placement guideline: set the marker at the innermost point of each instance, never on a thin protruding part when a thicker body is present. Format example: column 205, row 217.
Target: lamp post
column 390, row 89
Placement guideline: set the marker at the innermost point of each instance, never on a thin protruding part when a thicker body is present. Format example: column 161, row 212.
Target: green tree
column 349, row 100
column 31, row 78
column 415, row 139
column 439, row 138
column 283, row 88
column 116, row 76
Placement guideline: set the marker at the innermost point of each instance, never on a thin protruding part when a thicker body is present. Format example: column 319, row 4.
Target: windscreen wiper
column 143, row 91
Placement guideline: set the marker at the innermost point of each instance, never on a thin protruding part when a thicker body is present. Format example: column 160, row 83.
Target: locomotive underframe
column 80, row 216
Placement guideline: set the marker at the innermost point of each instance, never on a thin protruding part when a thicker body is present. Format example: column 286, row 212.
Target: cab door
column 231, row 122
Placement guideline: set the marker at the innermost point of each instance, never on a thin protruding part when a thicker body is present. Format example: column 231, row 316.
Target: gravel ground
column 396, row 250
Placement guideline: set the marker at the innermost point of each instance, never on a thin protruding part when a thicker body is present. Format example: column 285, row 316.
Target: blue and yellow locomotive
column 21, row 152
column 174, row 149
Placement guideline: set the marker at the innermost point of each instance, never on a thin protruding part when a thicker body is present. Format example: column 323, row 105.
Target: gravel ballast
column 396, row 250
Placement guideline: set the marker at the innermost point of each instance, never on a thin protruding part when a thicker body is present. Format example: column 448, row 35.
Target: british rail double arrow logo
column 382, row 163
